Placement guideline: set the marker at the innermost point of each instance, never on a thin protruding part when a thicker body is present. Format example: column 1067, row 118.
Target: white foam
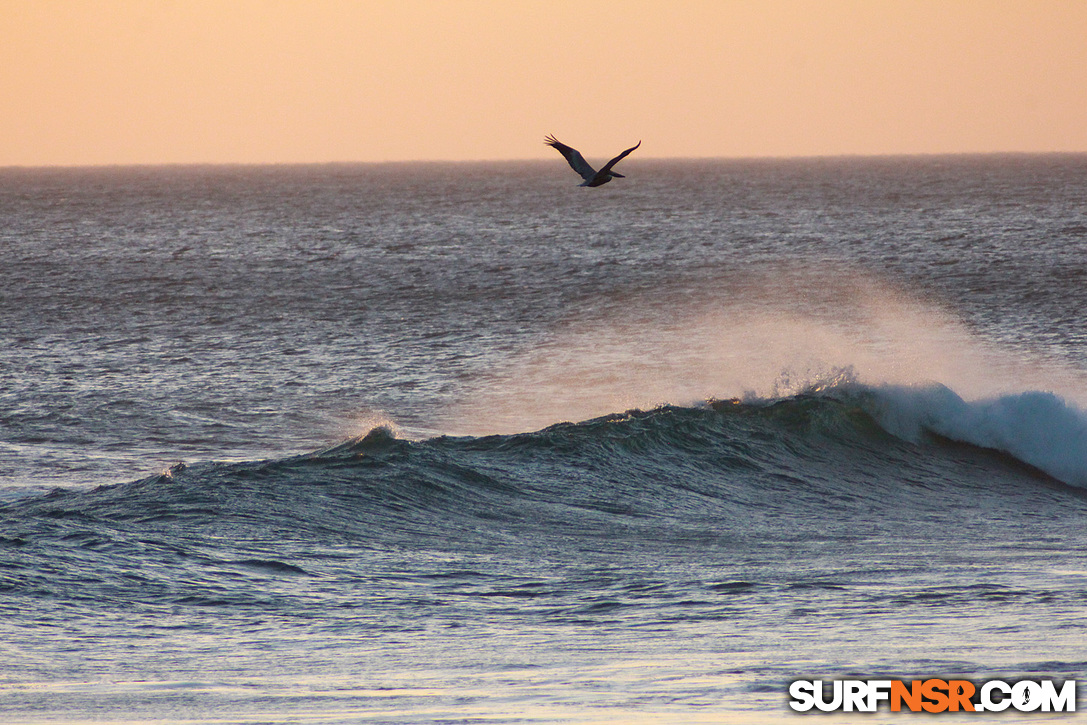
column 1039, row 428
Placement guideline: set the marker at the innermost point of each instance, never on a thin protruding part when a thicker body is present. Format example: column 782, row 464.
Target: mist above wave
column 782, row 334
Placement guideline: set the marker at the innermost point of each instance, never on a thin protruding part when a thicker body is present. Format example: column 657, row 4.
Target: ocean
column 464, row 442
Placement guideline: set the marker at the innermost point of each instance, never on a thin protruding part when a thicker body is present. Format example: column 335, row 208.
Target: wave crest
column 1036, row 427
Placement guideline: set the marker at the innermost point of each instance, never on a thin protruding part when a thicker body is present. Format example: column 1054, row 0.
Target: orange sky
column 168, row 81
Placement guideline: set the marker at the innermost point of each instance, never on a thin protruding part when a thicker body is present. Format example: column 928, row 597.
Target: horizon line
column 406, row 162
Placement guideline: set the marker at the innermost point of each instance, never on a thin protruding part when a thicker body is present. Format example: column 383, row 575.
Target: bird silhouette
column 577, row 163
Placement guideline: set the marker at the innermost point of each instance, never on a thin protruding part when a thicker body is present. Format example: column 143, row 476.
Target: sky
column 88, row 82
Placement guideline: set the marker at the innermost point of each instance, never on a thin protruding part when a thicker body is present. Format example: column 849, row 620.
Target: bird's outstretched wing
column 607, row 167
column 575, row 159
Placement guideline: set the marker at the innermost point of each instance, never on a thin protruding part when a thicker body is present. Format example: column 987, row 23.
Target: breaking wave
column 830, row 457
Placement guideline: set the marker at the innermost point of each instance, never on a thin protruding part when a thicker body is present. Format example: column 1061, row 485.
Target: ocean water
column 463, row 443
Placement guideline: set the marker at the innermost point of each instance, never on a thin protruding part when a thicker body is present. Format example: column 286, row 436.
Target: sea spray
column 770, row 337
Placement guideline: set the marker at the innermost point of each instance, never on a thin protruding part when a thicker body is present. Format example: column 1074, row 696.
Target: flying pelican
column 578, row 164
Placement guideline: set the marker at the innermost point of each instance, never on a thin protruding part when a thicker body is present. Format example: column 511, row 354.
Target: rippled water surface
column 466, row 442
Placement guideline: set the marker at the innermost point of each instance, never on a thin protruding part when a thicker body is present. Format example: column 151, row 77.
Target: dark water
column 465, row 442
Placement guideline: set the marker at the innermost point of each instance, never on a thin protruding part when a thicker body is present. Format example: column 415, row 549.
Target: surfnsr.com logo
column 932, row 695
